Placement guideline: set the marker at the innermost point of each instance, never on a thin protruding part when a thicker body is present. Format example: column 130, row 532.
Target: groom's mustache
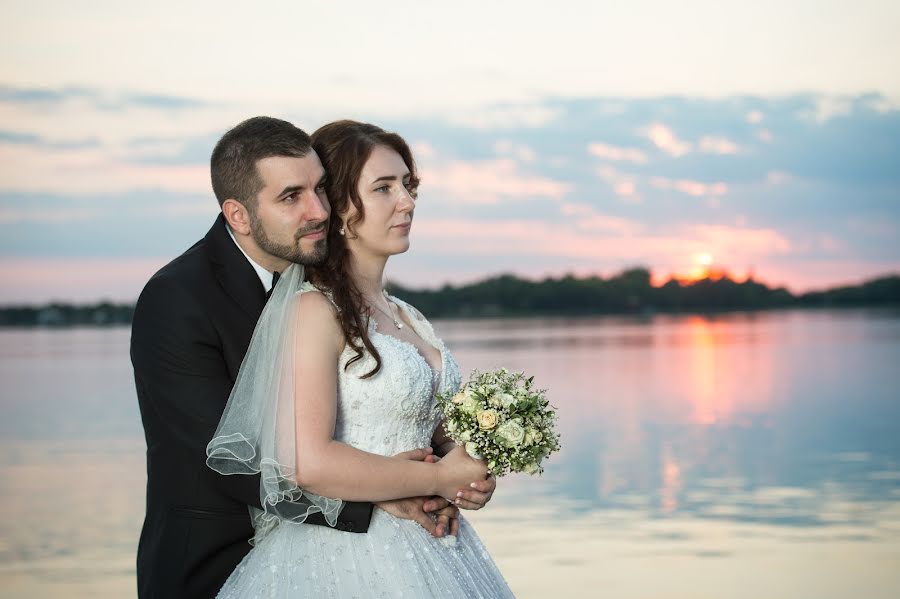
column 310, row 228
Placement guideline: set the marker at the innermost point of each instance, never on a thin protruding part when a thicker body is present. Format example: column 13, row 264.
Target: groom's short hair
column 233, row 163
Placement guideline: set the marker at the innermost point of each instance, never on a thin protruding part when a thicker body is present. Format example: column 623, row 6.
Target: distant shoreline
column 557, row 316
column 629, row 293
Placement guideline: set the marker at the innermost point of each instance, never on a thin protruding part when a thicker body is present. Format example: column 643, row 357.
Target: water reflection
column 743, row 439
column 755, row 418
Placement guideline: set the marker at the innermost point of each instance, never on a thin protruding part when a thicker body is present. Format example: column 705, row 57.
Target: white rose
column 465, row 436
column 470, row 404
column 507, row 400
column 531, row 468
column 458, row 398
column 511, row 432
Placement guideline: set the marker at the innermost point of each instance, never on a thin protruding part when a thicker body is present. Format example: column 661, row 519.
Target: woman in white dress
column 339, row 377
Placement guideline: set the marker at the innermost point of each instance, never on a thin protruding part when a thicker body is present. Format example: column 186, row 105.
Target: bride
column 340, row 376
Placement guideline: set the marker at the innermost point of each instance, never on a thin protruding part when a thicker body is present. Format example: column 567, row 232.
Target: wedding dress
column 390, row 412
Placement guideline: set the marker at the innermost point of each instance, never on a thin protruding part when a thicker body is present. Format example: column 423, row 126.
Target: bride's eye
column 381, row 189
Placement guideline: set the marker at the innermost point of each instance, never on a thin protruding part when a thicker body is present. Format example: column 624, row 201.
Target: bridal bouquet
column 500, row 417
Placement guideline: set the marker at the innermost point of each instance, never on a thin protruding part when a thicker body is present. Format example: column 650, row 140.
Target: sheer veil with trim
column 256, row 433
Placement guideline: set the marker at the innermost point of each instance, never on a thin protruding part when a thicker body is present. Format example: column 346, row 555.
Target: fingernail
column 473, row 485
column 456, row 501
column 459, row 494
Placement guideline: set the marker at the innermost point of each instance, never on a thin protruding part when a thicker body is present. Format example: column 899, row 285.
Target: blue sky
column 580, row 140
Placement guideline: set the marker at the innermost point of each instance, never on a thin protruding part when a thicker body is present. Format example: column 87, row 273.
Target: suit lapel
column 233, row 271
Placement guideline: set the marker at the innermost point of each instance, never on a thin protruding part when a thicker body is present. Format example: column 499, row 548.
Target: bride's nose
column 406, row 201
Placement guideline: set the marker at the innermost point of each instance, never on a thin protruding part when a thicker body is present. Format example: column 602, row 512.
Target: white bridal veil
column 257, row 431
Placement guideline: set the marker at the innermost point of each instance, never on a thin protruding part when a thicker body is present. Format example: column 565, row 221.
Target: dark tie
column 275, row 276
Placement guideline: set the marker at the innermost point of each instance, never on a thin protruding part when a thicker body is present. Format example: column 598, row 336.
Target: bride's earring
column 341, row 230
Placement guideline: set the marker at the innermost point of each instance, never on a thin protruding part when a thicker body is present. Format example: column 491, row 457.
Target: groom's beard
column 292, row 253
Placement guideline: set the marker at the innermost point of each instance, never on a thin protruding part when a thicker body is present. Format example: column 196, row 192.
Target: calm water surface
column 746, row 455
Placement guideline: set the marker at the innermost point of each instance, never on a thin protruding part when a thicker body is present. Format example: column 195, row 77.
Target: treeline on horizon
column 630, row 292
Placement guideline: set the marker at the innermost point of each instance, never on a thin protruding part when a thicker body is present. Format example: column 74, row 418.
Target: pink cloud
column 612, row 224
column 504, row 147
column 718, row 145
column 622, row 185
column 691, row 188
column 570, row 209
column 755, row 117
column 489, row 181
column 777, row 177
column 600, row 237
column 75, row 279
column 588, row 219
column 422, row 150
column 740, row 241
column 92, row 171
column 616, row 153
column 665, row 139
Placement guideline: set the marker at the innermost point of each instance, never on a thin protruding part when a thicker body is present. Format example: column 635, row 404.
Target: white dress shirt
column 265, row 277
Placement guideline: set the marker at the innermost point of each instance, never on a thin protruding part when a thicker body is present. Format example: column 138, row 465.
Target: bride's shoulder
column 316, row 311
column 308, row 289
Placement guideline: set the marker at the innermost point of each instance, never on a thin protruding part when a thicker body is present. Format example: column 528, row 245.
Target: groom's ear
column 236, row 215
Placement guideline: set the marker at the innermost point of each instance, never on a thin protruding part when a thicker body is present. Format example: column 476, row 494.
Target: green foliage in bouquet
column 500, row 417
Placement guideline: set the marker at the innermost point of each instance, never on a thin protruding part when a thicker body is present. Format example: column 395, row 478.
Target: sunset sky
column 759, row 137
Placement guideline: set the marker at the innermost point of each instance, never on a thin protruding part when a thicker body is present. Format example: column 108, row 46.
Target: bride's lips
column 403, row 226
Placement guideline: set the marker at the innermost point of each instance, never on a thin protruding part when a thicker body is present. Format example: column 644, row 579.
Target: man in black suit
column 192, row 326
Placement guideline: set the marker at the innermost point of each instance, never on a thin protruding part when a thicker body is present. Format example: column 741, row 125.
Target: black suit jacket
column 192, row 326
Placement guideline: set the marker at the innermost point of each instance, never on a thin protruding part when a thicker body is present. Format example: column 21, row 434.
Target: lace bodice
column 394, row 410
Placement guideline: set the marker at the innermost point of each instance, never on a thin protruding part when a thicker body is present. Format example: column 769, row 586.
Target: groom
column 192, row 326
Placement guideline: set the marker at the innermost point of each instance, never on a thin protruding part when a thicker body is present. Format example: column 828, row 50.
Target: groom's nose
column 315, row 207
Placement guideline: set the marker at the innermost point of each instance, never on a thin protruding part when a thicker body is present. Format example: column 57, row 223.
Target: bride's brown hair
column 344, row 147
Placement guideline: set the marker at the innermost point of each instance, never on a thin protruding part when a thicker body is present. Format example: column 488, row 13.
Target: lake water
column 741, row 455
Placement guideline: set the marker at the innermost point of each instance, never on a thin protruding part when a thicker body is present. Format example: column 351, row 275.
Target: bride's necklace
column 390, row 315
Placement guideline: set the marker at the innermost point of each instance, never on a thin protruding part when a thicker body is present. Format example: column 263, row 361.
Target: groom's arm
column 184, row 384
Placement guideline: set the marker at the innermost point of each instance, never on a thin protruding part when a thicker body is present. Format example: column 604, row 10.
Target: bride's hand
column 456, row 470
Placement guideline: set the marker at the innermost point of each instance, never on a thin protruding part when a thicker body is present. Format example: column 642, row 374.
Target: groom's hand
column 446, row 518
column 477, row 495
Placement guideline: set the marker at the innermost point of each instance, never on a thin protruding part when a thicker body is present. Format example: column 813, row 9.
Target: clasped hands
column 436, row 514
